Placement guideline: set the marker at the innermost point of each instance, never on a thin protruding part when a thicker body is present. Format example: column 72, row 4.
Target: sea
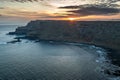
column 48, row 60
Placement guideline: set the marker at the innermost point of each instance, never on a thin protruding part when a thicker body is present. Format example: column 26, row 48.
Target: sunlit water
column 28, row 60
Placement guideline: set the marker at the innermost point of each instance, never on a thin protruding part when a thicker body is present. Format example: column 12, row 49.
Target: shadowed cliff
column 105, row 33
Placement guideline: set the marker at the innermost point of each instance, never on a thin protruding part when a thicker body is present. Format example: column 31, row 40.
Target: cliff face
column 50, row 30
column 97, row 32
column 102, row 33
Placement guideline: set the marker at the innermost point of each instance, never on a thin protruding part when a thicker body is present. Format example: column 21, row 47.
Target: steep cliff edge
column 105, row 33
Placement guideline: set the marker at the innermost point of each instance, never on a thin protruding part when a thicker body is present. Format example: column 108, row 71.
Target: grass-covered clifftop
column 106, row 33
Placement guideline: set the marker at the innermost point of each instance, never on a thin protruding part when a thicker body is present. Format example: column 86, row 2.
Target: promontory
column 105, row 33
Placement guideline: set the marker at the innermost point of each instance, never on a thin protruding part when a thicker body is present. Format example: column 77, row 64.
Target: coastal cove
column 49, row 59
column 59, row 39
column 100, row 33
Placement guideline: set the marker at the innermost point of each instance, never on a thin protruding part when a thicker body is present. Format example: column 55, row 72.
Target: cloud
column 27, row 0
column 112, row 1
column 93, row 9
column 89, row 5
column 81, row 8
column 1, row 7
column 96, row 1
column 52, row 17
column 29, row 14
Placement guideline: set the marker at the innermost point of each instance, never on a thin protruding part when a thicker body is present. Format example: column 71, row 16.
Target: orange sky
column 51, row 10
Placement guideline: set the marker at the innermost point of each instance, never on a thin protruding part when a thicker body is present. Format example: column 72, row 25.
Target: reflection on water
column 45, row 61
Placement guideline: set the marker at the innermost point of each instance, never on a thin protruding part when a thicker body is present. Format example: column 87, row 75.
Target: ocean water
column 28, row 60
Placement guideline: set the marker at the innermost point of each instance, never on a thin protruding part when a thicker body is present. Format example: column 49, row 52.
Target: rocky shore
column 101, row 33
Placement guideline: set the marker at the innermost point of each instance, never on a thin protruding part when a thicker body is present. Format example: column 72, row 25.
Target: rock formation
column 106, row 33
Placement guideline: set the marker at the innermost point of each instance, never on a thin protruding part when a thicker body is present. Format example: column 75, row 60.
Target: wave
column 105, row 62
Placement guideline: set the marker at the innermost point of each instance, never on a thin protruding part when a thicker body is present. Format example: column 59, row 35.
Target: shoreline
column 114, row 61
column 111, row 51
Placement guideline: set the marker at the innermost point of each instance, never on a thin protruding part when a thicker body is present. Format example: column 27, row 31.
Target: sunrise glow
column 72, row 19
column 26, row 10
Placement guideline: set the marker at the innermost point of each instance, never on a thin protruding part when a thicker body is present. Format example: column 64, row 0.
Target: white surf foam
column 105, row 62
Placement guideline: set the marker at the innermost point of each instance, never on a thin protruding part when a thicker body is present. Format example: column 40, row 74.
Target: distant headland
column 104, row 33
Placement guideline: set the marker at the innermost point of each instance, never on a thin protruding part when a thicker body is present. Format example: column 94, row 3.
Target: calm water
column 28, row 60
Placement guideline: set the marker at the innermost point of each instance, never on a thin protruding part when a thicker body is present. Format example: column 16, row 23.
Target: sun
column 72, row 19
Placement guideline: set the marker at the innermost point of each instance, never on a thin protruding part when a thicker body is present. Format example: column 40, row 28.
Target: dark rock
column 14, row 41
column 108, row 72
column 20, row 37
column 106, row 33
column 11, row 33
column 115, row 73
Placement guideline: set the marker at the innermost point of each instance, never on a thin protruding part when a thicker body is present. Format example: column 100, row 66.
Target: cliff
column 105, row 33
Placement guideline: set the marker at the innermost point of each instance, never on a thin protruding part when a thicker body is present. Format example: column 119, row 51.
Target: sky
column 22, row 11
